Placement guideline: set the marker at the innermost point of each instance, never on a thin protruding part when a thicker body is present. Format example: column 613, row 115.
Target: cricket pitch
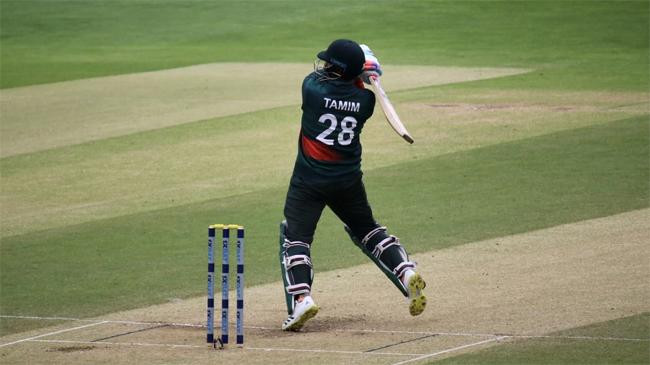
column 480, row 294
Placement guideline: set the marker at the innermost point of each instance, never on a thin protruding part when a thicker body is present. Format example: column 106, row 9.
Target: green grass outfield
column 584, row 345
column 574, row 166
column 453, row 199
column 578, row 44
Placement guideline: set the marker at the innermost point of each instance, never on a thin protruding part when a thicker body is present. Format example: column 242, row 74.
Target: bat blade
column 389, row 111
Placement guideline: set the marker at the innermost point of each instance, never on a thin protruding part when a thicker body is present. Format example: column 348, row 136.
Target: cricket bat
column 389, row 111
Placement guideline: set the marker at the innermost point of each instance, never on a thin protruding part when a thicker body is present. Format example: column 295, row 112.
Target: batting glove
column 371, row 68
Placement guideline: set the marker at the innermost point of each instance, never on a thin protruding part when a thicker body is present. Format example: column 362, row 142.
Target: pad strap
column 298, row 289
column 288, row 244
column 368, row 236
column 401, row 268
column 295, row 260
column 384, row 244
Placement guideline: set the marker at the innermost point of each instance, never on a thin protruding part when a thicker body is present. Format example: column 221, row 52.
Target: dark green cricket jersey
column 333, row 115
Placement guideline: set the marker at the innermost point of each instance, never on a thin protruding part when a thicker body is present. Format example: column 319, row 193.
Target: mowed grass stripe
column 148, row 170
column 557, row 349
column 42, row 117
column 227, row 156
column 153, row 257
column 581, row 45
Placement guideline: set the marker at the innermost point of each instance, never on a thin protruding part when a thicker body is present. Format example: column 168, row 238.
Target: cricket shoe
column 303, row 311
column 417, row 300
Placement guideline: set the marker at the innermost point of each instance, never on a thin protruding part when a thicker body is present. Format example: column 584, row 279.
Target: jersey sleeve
column 371, row 103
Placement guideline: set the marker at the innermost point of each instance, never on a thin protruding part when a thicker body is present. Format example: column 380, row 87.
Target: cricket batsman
column 327, row 171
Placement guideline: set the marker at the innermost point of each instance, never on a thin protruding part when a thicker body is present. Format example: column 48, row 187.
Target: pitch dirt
column 479, row 294
column 40, row 117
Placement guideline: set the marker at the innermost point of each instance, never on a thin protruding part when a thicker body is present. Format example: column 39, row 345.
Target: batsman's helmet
column 345, row 55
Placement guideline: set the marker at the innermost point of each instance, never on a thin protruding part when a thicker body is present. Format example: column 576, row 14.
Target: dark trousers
column 306, row 200
column 305, row 203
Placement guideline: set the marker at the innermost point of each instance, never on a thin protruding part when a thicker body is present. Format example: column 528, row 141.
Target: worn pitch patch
column 40, row 117
column 527, row 284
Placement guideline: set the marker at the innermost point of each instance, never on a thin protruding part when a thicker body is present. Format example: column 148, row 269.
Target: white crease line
column 53, row 333
column 119, row 343
column 48, row 318
column 490, row 335
column 448, row 350
column 107, row 321
column 503, row 335
column 419, row 332
column 579, row 338
column 207, row 346
column 458, row 334
column 171, row 324
column 331, row 351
